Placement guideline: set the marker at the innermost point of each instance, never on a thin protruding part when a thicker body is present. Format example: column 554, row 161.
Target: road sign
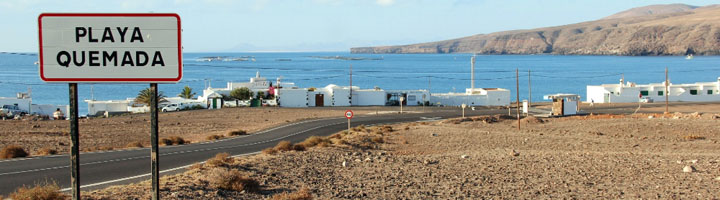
column 117, row 47
column 349, row 114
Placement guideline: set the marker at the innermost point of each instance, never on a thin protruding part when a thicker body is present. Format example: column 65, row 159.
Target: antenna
column 472, row 74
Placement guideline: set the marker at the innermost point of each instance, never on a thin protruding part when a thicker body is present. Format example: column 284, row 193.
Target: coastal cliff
column 674, row 29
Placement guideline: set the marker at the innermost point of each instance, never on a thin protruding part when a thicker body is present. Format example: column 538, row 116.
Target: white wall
column 596, row 94
column 497, row 98
column 369, row 98
column 294, row 97
column 570, row 107
column 99, row 107
column 48, row 110
column 340, row 97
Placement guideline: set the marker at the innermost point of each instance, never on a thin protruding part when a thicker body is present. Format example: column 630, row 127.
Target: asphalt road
column 102, row 169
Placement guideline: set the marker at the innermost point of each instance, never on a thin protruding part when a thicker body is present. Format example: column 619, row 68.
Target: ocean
column 440, row 73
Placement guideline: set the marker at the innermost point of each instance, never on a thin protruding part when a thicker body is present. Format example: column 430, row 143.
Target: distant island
column 672, row 29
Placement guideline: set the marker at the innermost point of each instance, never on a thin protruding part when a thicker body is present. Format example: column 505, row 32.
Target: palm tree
column 187, row 93
column 145, row 95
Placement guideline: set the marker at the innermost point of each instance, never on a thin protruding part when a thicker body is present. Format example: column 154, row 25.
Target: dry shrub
column 407, row 128
column 13, row 151
column 166, row 141
column 338, row 141
column 284, row 146
column 43, row 191
column 693, row 137
column 387, row 129
column 214, row 137
column 220, row 159
column 236, row 132
column 223, row 178
column 269, row 151
column 195, row 166
column 46, row 151
column 378, row 140
column 315, row 141
column 302, row 194
column 359, row 128
column 298, row 147
column 135, row 144
column 177, row 140
column 173, row 140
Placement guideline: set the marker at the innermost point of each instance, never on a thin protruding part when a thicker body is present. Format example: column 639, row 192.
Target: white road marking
column 143, row 175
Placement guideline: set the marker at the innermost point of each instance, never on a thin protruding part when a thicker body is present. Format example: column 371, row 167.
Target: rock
column 358, row 160
column 689, row 168
column 382, row 153
column 344, row 163
column 718, row 178
column 434, row 134
column 430, row 162
column 514, row 153
column 368, row 159
column 465, row 156
column 650, row 117
column 693, row 161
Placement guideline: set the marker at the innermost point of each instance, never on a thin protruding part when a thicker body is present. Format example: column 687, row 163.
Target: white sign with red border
column 349, row 114
column 110, row 47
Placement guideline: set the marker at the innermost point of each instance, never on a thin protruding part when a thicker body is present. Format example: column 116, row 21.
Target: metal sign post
column 110, row 48
column 154, row 142
column 401, row 104
column 349, row 115
column 75, row 141
column 463, row 109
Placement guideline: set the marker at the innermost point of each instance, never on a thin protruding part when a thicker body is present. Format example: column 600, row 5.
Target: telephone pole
column 667, row 91
column 517, row 92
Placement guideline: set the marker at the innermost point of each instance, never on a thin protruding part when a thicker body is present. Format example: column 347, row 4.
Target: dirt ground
column 584, row 157
column 117, row 132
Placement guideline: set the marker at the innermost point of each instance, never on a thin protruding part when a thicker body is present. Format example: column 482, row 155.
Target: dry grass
column 284, row 146
column 302, row 194
column 135, row 144
column 693, row 137
column 220, row 159
column 269, row 151
column 13, row 151
column 223, row 178
column 214, row 137
column 46, row 151
column 173, row 140
column 315, row 141
column 236, row 133
column 378, row 140
column 43, row 191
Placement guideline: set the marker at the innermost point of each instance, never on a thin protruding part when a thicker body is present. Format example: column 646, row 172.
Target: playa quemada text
column 110, row 58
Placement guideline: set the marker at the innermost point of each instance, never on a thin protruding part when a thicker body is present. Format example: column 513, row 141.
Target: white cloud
column 385, row 2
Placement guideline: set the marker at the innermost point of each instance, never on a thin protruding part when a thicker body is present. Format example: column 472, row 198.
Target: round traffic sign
column 349, row 114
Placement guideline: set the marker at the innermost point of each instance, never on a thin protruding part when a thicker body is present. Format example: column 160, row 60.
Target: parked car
column 171, row 107
column 11, row 110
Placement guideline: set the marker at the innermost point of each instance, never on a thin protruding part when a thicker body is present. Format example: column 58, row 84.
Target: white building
column 474, row 97
column 410, row 97
column 292, row 97
column 98, row 108
column 626, row 92
column 24, row 102
column 368, row 97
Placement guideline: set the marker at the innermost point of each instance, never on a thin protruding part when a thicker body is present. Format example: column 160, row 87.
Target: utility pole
column 472, row 74
column 350, row 84
column 429, row 86
column 529, row 91
column 517, row 92
column 667, row 91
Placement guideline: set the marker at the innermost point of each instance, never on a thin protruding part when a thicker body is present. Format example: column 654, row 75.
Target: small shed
column 564, row 104
column 214, row 101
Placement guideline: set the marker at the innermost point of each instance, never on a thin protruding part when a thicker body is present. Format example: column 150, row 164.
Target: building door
column 319, row 100
column 607, row 98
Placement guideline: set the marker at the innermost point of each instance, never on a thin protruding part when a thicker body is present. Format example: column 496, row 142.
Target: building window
column 709, row 91
column 693, row 92
column 660, row 93
column 644, row 93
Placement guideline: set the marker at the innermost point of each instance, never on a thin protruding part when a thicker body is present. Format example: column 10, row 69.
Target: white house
column 292, row 97
column 410, row 97
column 474, row 97
column 368, row 97
column 626, row 92
column 24, row 102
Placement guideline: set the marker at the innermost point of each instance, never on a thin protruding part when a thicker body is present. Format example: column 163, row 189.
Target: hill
column 673, row 29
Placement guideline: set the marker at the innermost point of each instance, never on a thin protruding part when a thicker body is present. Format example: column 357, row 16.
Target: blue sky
column 321, row 25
